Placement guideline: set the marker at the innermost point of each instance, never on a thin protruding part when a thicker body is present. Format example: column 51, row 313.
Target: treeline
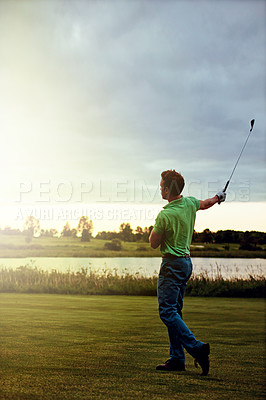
column 127, row 234
column 32, row 227
column 248, row 240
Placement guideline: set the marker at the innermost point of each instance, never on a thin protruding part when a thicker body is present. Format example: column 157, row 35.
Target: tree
column 66, row 232
column 53, row 232
column 107, row 235
column 146, row 233
column 49, row 232
column 249, row 242
column 139, row 233
column 195, row 237
column 125, row 232
column 207, row 236
column 74, row 233
column 85, row 236
column 31, row 226
column 85, row 225
column 10, row 231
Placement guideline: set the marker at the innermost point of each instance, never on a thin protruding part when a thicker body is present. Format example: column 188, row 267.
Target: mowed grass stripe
column 100, row 347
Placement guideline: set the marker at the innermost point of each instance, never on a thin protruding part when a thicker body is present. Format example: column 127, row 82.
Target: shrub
column 249, row 246
column 115, row 244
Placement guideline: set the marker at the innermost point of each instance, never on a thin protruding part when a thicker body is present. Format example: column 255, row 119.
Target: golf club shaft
column 227, row 183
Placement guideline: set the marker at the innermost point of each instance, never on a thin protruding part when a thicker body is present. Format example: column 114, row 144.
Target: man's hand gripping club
column 218, row 198
column 221, row 197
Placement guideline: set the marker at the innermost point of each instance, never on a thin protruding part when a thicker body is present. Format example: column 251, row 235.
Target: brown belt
column 172, row 256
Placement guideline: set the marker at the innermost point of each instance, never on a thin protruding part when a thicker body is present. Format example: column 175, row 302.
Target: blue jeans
column 173, row 277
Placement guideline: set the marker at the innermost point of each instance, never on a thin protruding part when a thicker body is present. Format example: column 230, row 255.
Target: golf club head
column 252, row 124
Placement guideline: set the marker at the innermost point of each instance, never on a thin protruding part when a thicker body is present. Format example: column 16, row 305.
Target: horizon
column 107, row 217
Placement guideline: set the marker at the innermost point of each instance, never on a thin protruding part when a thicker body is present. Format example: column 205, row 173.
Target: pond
column 213, row 267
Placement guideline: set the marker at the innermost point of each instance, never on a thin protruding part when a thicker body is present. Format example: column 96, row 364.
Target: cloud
column 102, row 89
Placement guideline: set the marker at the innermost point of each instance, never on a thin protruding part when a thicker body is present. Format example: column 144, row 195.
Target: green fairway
column 100, row 347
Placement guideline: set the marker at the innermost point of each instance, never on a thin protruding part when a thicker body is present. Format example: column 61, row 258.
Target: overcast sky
column 104, row 95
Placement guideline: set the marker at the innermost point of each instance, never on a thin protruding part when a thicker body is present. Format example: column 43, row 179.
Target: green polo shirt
column 176, row 223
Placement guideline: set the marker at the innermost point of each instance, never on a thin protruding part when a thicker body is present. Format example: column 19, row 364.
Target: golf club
column 251, row 128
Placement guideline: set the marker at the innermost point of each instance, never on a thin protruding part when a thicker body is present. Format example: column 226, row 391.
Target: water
column 213, row 267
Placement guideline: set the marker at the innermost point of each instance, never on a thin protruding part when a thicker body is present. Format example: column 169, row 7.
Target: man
column 173, row 230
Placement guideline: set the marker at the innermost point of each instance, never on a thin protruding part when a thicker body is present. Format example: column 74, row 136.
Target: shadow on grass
column 192, row 374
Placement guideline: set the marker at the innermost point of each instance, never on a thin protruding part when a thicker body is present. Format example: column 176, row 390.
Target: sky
column 97, row 98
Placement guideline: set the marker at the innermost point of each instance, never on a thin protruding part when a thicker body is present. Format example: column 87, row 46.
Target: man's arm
column 205, row 204
column 155, row 239
column 218, row 198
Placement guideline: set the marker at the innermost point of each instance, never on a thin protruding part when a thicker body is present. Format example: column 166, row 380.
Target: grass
column 76, row 347
column 13, row 246
column 26, row 279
